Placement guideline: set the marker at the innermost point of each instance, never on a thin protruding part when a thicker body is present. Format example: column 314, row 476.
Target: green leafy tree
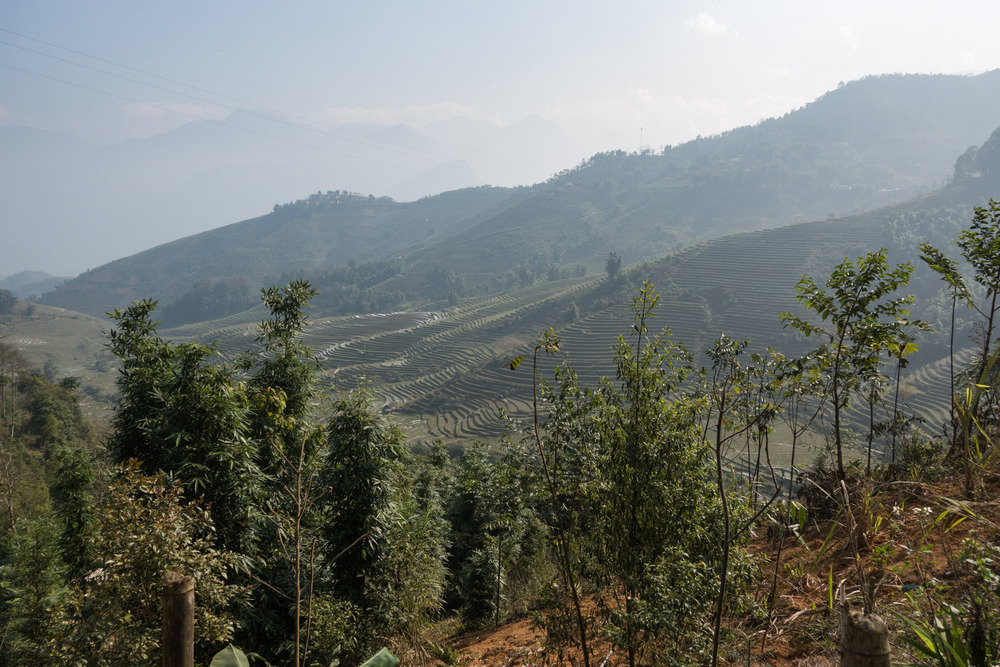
column 143, row 528
column 418, row 543
column 658, row 519
column 13, row 366
column 179, row 413
column 495, row 531
column 33, row 586
column 362, row 470
column 862, row 319
column 285, row 363
column 613, row 265
column 980, row 247
column 550, row 452
column 734, row 408
column 52, row 424
column 291, row 511
column 383, row 531
column 72, row 501
column 632, row 495
column 324, row 519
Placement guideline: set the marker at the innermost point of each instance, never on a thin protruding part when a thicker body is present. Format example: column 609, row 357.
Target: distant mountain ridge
column 29, row 284
column 136, row 194
column 865, row 145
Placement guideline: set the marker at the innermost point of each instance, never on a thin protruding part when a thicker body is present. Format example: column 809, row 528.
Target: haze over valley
column 123, row 134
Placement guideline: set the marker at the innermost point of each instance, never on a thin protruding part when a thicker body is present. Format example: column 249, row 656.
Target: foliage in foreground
column 112, row 615
column 327, row 537
column 633, row 509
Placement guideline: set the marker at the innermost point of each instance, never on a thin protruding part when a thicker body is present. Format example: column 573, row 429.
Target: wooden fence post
column 864, row 639
column 178, row 620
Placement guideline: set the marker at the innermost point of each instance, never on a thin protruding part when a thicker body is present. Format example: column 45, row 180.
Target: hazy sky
column 657, row 72
column 673, row 68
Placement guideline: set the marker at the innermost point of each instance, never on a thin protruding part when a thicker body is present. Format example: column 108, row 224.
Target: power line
column 328, row 131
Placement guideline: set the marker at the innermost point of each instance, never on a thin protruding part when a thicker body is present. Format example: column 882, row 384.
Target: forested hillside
column 441, row 372
column 312, row 235
column 865, row 145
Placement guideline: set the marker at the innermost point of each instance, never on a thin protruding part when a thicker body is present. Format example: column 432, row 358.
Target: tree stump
column 178, row 620
column 864, row 639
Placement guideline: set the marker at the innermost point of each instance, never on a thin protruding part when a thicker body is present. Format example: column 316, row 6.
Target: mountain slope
column 863, row 146
column 314, row 234
column 441, row 373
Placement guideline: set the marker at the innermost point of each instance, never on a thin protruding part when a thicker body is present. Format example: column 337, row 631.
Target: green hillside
column 737, row 285
column 441, row 372
column 478, row 287
column 310, row 235
column 868, row 144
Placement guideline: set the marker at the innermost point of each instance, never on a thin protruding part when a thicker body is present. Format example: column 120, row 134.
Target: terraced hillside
column 441, row 373
column 408, row 356
column 440, row 370
column 737, row 285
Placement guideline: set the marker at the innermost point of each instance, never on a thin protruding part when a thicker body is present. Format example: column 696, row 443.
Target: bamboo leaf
column 230, row 657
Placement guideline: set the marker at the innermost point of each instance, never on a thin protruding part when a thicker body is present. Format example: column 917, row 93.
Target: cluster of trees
column 306, row 538
column 210, row 299
column 41, row 426
column 320, row 538
column 354, row 288
column 7, row 301
column 342, row 290
column 317, row 536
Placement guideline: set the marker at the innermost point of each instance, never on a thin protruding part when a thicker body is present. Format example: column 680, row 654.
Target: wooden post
column 864, row 639
column 178, row 620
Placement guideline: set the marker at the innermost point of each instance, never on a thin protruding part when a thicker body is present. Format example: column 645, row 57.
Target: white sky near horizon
column 674, row 69
column 610, row 75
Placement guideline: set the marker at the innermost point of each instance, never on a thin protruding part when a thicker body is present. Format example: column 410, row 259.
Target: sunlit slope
column 870, row 144
column 738, row 285
column 440, row 370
